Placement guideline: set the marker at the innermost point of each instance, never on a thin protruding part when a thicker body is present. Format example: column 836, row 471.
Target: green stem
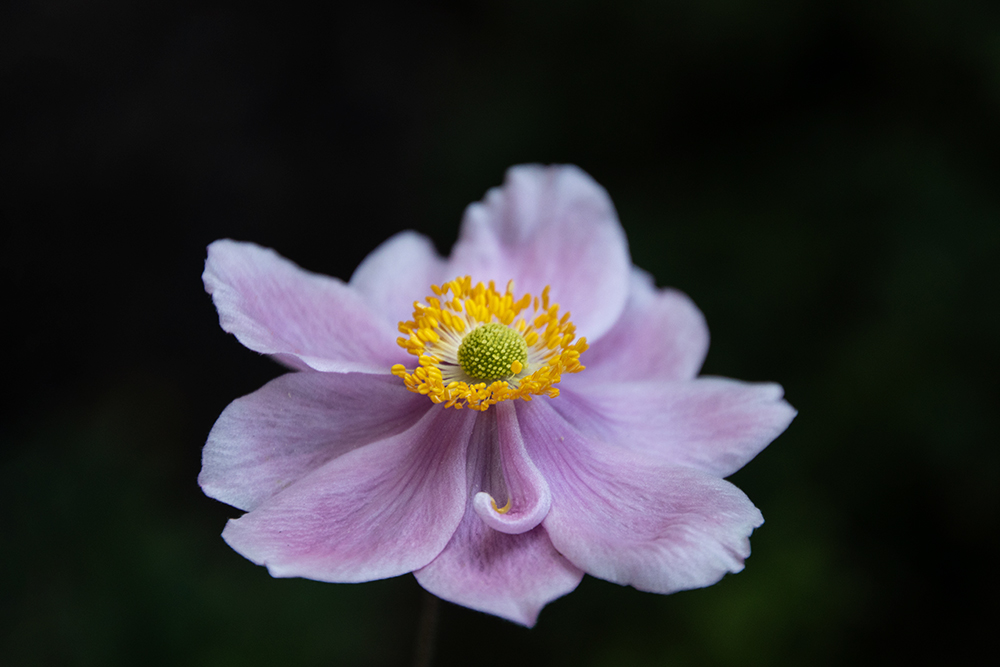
column 423, row 654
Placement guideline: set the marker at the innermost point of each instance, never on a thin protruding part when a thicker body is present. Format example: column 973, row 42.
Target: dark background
column 821, row 177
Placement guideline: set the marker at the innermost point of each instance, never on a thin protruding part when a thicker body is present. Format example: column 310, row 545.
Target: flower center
column 475, row 348
column 492, row 352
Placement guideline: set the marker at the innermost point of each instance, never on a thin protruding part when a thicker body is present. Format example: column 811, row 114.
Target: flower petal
column 397, row 273
column 502, row 564
column 266, row 441
column 379, row 511
column 275, row 307
column 631, row 519
column 661, row 336
column 512, row 576
column 514, row 476
column 550, row 226
column 716, row 425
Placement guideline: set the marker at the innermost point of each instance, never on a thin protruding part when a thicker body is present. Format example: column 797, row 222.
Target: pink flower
column 406, row 444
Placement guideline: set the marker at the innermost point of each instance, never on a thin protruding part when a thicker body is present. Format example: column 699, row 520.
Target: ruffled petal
column 550, row 226
column 525, row 496
column 379, row 511
column 631, row 519
column 266, row 441
column 716, row 425
column 397, row 273
column 274, row 307
column 485, row 565
column 661, row 336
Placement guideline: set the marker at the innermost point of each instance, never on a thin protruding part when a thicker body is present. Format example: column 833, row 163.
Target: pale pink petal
column 550, row 226
column 274, row 307
column 630, row 519
column 264, row 442
column 509, row 474
column 379, row 511
column 510, row 575
column 661, row 336
column 397, row 273
column 716, row 425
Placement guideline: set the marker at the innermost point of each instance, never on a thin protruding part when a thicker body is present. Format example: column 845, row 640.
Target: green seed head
column 487, row 353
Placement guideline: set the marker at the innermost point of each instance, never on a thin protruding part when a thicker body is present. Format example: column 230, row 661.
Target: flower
column 446, row 420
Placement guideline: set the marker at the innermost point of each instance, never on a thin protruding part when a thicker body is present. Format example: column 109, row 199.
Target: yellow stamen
column 440, row 325
column 504, row 509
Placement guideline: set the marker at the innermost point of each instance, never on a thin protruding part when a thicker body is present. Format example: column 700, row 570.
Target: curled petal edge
column 529, row 496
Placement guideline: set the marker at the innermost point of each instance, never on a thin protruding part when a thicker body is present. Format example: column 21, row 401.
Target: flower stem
column 426, row 630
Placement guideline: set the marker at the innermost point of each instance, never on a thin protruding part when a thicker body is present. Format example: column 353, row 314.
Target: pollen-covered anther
column 474, row 348
column 504, row 509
